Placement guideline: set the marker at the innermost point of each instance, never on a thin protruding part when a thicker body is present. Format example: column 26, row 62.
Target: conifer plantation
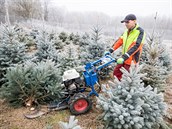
column 40, row 41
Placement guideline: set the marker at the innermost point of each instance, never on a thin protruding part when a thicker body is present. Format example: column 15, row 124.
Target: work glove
column 111, row 50
column 120, row 61
column 124, row 58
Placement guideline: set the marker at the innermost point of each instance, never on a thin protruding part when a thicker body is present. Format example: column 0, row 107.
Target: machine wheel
column 79, row 104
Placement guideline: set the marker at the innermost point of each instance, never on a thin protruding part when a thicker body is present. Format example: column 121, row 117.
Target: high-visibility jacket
column 131, row 42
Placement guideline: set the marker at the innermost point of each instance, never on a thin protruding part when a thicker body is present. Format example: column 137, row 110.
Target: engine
column 72, row 81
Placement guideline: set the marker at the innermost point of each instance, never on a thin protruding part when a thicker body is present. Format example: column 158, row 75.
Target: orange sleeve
column 118, row 43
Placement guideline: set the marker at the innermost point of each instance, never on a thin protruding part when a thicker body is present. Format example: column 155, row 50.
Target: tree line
column 24, row 10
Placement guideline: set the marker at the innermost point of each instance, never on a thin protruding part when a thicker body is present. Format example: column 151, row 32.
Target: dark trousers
column 117, row 71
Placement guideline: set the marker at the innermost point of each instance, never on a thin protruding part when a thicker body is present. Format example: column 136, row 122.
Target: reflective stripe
column 127, row 54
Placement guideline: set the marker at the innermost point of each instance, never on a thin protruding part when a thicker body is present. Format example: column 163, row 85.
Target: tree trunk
column 7, row 20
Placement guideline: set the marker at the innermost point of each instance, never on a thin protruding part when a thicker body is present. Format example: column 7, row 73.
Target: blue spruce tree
column 130, row 105
column 46, row 49
column 69, row 60
column 156, row 63
column 32, row 83
column 155, row 59
column 93, row 48
column 12, row 51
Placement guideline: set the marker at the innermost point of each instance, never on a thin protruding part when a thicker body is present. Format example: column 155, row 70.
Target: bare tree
column 2, row 3
column 45, row 9
column 27, row 9
column 57, row 14
column 7, row 19
column 2, row 10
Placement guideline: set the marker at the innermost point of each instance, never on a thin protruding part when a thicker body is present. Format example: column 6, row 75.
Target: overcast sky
column 118, row 7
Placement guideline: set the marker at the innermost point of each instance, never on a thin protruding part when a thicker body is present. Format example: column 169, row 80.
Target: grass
column 55, row 117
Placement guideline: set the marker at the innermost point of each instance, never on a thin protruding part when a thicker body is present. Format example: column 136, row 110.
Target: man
column 131, row 42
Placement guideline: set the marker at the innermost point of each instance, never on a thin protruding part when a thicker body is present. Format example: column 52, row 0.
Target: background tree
column 11, row 51
column 27, row 9
column 2, row 10
column 57, row 15
column 69, row 60
column 94, row 48
column 46, row 9
column 7, row 18
column 156, row 60
column 46, row 49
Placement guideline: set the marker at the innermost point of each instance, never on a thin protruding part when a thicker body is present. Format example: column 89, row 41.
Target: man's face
column 130, row 24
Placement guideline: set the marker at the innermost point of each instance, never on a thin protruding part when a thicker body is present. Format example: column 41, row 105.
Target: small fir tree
column 71, row 36
column 63, row 36
column 95, row 48
column 12, row 51
column 30, row 83
column 67, row 42
column 26, row 37
column 154, row 63
column 73, row 124
column 46, row 49
column 76, row 39
column 130, row 105
column 59, row 44
column 85, row 39
column 69, row 60
column 165, row 59
column 30, row 40
column 156, row 60
column 154, row 49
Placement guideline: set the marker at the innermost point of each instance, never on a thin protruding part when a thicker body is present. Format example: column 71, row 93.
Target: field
column 11, row 118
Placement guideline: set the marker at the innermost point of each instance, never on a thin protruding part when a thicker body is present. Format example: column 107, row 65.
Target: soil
column 168, row 100
column 11, row 118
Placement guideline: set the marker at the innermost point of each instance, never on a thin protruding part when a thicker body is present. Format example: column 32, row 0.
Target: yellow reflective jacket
column 131, row 42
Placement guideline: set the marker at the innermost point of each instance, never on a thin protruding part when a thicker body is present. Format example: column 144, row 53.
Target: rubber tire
column 76, row 97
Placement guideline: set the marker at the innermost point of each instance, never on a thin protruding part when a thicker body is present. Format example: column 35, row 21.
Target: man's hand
column 111, row 50
column 123, row 58
column 120, row 61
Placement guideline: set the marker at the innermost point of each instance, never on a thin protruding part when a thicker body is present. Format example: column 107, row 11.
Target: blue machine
column 75, row 99
column 91, row 71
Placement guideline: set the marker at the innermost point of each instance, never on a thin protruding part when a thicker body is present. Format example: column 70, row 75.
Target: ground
column 168, row 100
column 11, row 118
